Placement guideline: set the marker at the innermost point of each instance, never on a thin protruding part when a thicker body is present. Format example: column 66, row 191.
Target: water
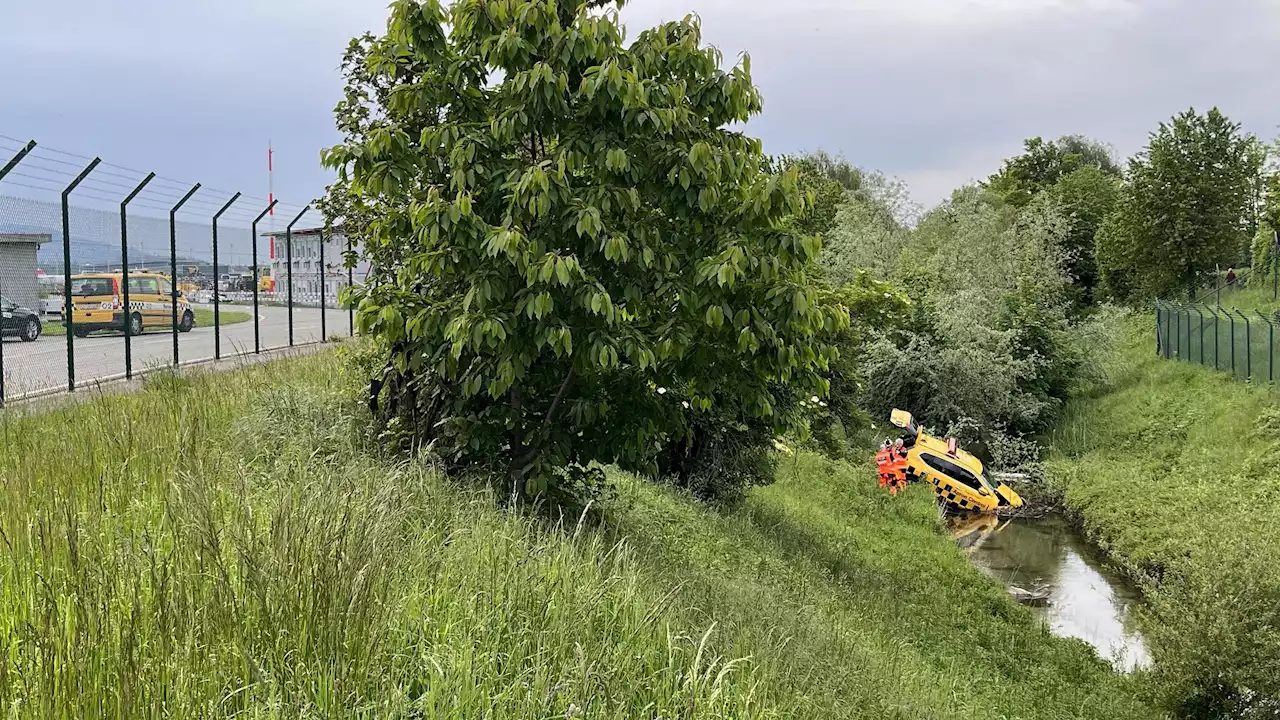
column 1048, row 566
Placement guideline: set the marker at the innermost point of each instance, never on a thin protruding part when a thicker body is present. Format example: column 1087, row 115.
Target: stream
column 1047, row 565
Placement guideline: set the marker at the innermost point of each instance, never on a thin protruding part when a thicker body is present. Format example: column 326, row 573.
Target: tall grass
column 232, row 545
column 1174, row 470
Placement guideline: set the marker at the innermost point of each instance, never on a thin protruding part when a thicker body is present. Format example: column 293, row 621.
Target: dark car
column 20, row 321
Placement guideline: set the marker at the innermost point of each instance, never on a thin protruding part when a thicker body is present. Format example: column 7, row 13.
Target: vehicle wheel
column 135, row 324
column 81, row 333
column 188, row 322
column 31, row 331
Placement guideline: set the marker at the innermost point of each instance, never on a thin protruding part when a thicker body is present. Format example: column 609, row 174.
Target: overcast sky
column 936, row 92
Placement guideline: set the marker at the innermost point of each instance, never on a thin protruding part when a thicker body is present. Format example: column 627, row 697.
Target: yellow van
column 96, row 303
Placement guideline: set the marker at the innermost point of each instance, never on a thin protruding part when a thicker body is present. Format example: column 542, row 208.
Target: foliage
column 1087, row 196
column 231, row 548
column 990, row 353
column 839, row 425
column 1081, row 175
column 826, row 184
column 1042, row 165
column 865, row 237
column 1264, row 239
column 1173, row 469
column 1183, row 208
column 559, row 225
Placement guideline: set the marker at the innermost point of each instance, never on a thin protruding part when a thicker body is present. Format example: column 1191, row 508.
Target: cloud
column 940, row 90
column 936, row 92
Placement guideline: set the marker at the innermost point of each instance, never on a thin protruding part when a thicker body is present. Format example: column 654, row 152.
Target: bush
column 988, row 352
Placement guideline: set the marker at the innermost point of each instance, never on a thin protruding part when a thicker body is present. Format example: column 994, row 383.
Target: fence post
column 351, row 310
column 1189, row 355
column 126, row 310
column 13, row 163
column 1217, row 320
column 173, row 266
column 1271, row 355
column 1248, row 347
column 288, row 251
column 1201, row 314
column 1160, row 351
column 253, row 230
column 1177, row 333
column 1233, row 342
column 217, row 317
column 324, row 277
column 68, row 316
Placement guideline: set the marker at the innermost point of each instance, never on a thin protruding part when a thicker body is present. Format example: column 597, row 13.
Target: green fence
column 210, row 273
column 1225, row 339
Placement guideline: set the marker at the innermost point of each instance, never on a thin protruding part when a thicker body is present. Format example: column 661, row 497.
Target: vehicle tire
column 135, row 324
column 31, row 330
column 81, row 333
column 188, row 322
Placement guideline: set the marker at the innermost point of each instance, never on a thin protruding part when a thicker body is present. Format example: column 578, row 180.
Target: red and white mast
column 271, row 198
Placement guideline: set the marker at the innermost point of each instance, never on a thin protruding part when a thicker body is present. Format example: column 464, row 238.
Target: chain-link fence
column 1228, row 340
column 210, row 273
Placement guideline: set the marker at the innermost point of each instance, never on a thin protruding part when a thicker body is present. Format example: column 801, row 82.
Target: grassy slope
column 222, row 546
column 1173, row 468
column 1168, row 454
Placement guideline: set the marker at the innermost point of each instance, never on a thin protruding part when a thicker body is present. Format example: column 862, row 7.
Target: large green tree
column 1043, row 163
column 1185, row 207
column 574, row 252
column 1081, row 175
column 1086, row 196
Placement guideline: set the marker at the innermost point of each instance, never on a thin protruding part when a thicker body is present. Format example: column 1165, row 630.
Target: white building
column 311, row 275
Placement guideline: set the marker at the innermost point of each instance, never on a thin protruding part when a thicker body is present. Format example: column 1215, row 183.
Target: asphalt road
column 41, row 365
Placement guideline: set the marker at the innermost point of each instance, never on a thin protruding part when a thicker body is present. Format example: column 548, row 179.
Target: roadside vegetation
column 603, row 448
column 1172, row 469
column 241, row 544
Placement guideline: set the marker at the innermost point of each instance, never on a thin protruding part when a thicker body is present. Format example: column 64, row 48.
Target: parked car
column 96, row 303
column 20, row 321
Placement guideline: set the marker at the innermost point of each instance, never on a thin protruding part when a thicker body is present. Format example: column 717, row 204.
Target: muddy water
column 1048, row 566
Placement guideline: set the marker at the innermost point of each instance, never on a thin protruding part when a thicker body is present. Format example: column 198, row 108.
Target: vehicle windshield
column 4, row 302
column 91, row 286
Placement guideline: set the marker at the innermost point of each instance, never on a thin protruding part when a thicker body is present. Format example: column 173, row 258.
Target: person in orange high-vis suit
column 891, row 463
column 884, row 464
column 898, row 467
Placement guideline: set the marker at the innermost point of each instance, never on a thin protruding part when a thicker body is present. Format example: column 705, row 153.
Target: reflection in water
column 1048, row 566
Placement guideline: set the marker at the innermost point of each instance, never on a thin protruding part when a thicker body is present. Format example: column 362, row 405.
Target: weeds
column 1174, row 472
column 237, row 545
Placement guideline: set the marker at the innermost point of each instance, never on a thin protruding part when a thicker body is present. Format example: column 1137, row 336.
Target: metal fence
column 211, row 273
column 1225, row 339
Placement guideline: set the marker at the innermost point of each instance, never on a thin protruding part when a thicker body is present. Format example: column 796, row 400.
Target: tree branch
column 551, row 411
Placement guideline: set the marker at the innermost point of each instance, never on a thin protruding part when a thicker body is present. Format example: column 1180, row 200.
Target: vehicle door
column 94, row 301
column 144, row 297
column 166, row 299
column 8, row 323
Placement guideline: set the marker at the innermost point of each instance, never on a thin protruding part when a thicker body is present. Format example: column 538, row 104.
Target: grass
column 204, row 318
column 1173, row 468
column 230, row 545
column 1257, row 297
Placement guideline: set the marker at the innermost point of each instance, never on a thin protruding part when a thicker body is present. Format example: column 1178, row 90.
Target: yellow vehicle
column 956, row 476
column 97, row 303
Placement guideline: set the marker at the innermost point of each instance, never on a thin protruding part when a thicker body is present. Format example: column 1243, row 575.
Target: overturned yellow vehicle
column 956, row 476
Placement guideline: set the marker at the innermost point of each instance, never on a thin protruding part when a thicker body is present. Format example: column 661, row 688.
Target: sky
column 935, row 92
